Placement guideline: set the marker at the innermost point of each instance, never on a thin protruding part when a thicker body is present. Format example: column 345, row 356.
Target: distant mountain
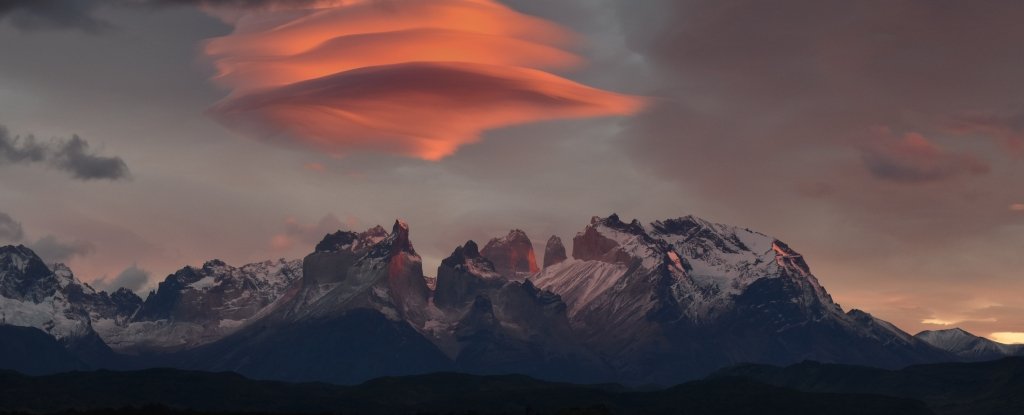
column 993, row 387
column 54, row 301
column 435, row 393
column 195, row 306
column 969, row 346
column 660, row 303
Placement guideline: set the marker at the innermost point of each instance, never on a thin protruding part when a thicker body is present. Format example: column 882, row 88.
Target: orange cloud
column 316, row 167
column 416, row 77
column 1008, row 337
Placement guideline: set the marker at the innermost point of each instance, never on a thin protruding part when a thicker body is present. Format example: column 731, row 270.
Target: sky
column 881, row 139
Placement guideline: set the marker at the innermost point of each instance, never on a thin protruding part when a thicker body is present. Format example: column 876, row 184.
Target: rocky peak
column 787, row 258
column 373, row 235
column 24, row 276
column 466, row 253
column 214, row 265
column 126, row 297
column 512, row 255
column 351, row 241
column 340, row 240
column 400, row 238
column 613, row 241
column 463, row 274
column 554, row 251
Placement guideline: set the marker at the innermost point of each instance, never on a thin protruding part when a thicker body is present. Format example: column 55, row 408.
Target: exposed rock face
column 463, row 274
column 512, row 255
column 386, row 276
column 554, row 251
column 24, row 276
column 338, row 251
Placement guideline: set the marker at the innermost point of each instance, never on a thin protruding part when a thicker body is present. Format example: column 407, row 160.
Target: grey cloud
column 71, row 156
column 10, row 230
column 132, row 278
column 50, row 249
column 34, row 15
column 28, row 15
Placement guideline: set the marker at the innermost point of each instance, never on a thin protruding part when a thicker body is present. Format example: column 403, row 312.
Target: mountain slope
column 54, row 301
column 31, row 351
column 354, row 315
column 686, row 296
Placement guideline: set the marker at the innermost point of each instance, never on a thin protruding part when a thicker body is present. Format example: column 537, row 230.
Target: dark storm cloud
column 51, row 249
column 71, row 156
column 132, row 278
column 10, row 229
column 30, row 15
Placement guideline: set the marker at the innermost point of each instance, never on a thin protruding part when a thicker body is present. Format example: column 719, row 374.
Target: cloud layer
column 69, row 155
column 417, row 78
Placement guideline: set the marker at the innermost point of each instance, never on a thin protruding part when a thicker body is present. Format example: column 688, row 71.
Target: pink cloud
column 416, row 78
column 914, row 158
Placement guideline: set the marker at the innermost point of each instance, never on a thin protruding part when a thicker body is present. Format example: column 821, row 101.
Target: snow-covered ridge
column 33, row 295
column 967, row 345
column 196, row 305
column 705, row 264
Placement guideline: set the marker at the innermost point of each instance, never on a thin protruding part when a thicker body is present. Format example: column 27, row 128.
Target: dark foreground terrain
column 156, row 391
column 995, row 387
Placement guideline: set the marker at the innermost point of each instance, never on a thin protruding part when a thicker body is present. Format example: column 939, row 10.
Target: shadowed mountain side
column 353, row 347
column 32, row 351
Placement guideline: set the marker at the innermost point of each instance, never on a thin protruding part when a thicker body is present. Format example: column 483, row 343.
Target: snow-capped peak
column 611, row 240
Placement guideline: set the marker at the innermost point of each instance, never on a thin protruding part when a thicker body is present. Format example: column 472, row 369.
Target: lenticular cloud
column 413, row 77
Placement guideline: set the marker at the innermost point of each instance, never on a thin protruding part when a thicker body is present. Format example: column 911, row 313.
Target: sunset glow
column 1008, row 337
column 417, row 78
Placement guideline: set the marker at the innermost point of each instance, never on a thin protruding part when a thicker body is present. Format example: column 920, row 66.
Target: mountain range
column 658, row 303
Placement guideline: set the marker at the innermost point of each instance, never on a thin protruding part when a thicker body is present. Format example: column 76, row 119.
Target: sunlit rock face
column 512, row 255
